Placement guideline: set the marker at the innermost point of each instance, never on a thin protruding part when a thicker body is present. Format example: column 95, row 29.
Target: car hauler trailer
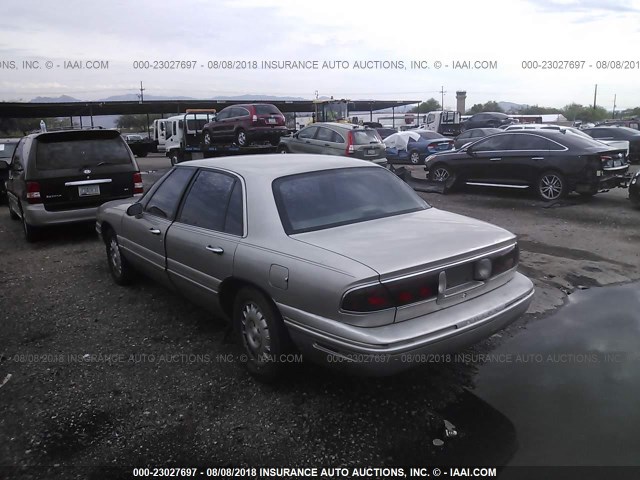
column 184, row 139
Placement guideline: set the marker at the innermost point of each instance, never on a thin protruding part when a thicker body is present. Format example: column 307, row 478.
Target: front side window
column 164, row 201
column 214, row 202
column 308, row 132
column 329, row 198
column 492, row 144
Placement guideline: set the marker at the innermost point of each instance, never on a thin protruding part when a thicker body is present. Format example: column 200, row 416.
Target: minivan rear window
column 79, row 153
column 267, row 110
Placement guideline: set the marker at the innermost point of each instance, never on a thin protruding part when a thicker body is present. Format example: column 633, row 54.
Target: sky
column 601, row 38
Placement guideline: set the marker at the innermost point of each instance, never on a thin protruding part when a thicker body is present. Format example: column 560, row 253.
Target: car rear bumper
column 267, row 133
column 393, row 348
column 37, row 216
column 606, row 182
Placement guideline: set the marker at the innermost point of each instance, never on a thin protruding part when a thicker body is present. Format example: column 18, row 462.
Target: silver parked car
column 332, row 138
column 334, row 256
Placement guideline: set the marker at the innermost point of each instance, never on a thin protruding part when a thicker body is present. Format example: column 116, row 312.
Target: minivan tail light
column 33, row 193
column 255, row 118
column 137, row 183
column 350, row 148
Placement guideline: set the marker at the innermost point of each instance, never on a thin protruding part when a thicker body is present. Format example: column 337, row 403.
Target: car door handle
column 307, row 141
column 217, row 250
column 537, row 158
column 326, row 145
column 155, row 231
column 497, row 159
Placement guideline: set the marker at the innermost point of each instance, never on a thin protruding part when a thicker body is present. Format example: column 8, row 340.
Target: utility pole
column 141, row 96
column 613, row 113
column 595, row 95
column 442, row 92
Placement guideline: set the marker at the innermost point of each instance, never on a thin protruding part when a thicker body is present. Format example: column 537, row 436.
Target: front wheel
column 241, row 138
column 206, row 138
column 440, row 173
column 118, row 265
column 261, row 332
column 414, row 157
column 174, row 157
column 283, row 149
column 551, row 186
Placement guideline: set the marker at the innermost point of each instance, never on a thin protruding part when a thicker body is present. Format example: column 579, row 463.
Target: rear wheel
column 12, row 214
column 283, row 149
column 241, row 138
column 30, row 232
column 118, row 265
column 262, row 334
column 414, row 157
column 551, row 186
column 174, row 156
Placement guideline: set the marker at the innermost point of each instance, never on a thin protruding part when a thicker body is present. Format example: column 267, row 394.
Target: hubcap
column 284, row 150
column 242, row 138
column 440, row 174
column 550, row 187
column 255, row 331
column 114, row 257
column 415, row 158
column 207, row 139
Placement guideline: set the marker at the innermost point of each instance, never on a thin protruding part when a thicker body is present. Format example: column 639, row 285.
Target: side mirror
column 134, row 210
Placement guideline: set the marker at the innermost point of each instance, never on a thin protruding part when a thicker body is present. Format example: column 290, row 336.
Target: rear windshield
column 267, row 110
column 7, row 149
column 329, row 198
column 365, row 137
column 430, row 135
column 53, row 155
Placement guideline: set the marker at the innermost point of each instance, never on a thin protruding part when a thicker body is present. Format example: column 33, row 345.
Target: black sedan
column 487, row 120
column 619, row 133
column 472, row 135
column 553, row 163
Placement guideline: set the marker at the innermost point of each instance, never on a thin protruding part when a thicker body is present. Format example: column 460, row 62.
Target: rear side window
column 329, row 198
column 7, row 149
column 214, row 202
column 365, row 137
column 531, row 142
column 165, row 199
column 81, row 153
column 267, row 110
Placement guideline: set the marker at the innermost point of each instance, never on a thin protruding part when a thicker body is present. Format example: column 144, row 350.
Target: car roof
column 344, row 126
column 78, row 132
column 9, row 140
column 273, row 166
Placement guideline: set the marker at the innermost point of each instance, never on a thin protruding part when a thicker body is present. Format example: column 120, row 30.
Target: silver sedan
column 335, row 257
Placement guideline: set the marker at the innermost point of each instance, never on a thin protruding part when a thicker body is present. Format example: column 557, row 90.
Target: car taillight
column 33, row 193
column 391, row 295
column 350, row 148
column 137, row 183
column 506, row 261
column 367, row 299
column 255, row 118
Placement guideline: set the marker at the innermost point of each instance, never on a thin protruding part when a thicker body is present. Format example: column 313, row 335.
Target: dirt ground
column 100, row 375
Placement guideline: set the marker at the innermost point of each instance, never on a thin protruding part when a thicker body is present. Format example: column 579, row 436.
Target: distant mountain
column 510, row 107
column 60, row 99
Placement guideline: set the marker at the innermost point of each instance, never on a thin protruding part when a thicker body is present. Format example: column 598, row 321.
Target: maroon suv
column 245, row 124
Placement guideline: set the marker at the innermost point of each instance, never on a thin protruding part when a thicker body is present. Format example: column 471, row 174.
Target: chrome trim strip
column 88, row 182
column 481, row 184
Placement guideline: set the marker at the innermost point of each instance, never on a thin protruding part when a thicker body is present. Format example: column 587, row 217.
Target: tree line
column 572, row 111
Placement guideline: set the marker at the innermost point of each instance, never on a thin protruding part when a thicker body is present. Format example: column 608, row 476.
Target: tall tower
column 461, row 96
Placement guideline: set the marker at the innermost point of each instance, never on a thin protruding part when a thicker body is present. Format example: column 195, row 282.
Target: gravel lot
column 105, row 375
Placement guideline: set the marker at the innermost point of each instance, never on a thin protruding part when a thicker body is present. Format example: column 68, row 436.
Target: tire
column 262, row 334
column 414, row 157
column 143, row 154
column 241, row 138
column 440, row 173
column 30, row 232
column 274, row 142
column 551, row 186
column 206, row 138
column 174, row 157
column 634, row 197
column 119, row 268
column 12, row 214
column 283, row 149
